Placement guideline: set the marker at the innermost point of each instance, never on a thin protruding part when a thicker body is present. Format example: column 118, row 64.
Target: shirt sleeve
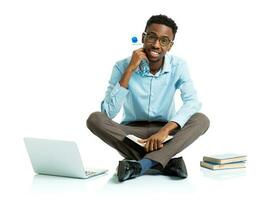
column 191, row 104
column 115, row 94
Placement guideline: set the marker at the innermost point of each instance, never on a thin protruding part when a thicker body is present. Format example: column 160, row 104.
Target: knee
column 203, row 122
column 94, row 120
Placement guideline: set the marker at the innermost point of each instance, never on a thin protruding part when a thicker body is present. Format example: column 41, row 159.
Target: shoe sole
column 121, row 170
column 180, row 170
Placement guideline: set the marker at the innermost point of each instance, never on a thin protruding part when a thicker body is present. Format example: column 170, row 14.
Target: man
column 145, row 84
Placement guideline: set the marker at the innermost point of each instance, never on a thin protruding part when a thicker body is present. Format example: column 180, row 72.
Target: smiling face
column 157, row 40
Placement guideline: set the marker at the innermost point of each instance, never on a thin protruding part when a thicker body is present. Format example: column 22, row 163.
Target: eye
column 152, row 37
column 164, row 40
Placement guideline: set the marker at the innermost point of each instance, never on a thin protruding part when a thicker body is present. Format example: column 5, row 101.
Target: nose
column 156, row 44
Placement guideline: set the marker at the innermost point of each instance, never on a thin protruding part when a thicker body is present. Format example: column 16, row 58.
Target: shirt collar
column 166, row 65
column 165, row 69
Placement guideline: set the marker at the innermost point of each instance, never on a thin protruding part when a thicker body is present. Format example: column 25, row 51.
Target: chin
column 154, row 59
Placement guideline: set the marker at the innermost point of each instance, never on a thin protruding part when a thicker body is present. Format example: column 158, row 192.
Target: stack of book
column 224, row 161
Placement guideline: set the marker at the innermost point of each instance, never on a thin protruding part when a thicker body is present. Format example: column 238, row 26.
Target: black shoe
column 128, row 169
column 176, row 167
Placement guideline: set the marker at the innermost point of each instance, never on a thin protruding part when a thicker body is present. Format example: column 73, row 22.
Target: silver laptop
column 58, row 158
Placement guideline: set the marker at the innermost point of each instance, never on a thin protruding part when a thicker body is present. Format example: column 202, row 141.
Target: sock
column 146, row 164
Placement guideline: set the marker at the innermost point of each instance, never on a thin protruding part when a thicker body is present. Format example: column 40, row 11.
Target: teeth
column 154, row 53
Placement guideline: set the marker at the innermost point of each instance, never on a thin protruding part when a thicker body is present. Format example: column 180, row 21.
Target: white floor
column 253, row 182
column 18, row 181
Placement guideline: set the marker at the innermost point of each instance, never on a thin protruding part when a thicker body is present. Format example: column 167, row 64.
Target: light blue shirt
column 151, row 97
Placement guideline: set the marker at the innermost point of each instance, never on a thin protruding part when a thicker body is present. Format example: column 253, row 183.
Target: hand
column 135, row 61
column 136, row 58
column 155, row 141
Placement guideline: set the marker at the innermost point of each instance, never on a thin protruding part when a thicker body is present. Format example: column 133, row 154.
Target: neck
column 156, row 66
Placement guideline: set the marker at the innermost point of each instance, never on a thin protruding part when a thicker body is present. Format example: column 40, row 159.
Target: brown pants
column 113, row 134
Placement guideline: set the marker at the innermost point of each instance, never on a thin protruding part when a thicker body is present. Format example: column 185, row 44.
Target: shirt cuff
column 182, row 116
column 181, row 122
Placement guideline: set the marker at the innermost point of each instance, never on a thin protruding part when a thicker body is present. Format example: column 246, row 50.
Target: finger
column 139, row 50
column 147, row 146
column 142, row 55
column 145, row 57
column 158, row 144
column 155, row 145
column 151, row 145
column 142, row 140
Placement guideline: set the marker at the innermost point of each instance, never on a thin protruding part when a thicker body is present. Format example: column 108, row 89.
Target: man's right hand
column 137, row 56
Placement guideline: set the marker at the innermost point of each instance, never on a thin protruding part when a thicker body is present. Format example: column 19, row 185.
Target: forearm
column 125, row 78
column 170, row 126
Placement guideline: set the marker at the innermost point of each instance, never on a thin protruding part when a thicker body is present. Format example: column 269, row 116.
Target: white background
column 56, row 59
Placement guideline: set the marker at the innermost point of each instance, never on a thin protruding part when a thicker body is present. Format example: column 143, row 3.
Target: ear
column 143, row 35
column 170, row 46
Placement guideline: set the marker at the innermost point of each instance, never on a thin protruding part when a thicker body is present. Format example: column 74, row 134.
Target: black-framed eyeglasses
column 152, row 37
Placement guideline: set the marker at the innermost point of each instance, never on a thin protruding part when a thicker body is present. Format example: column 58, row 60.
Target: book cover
column 225, row 158
column 215, row 166
column 136, row 139
column 133, row 141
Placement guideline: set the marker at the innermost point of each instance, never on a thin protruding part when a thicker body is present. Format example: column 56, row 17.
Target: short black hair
column 162, row 19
